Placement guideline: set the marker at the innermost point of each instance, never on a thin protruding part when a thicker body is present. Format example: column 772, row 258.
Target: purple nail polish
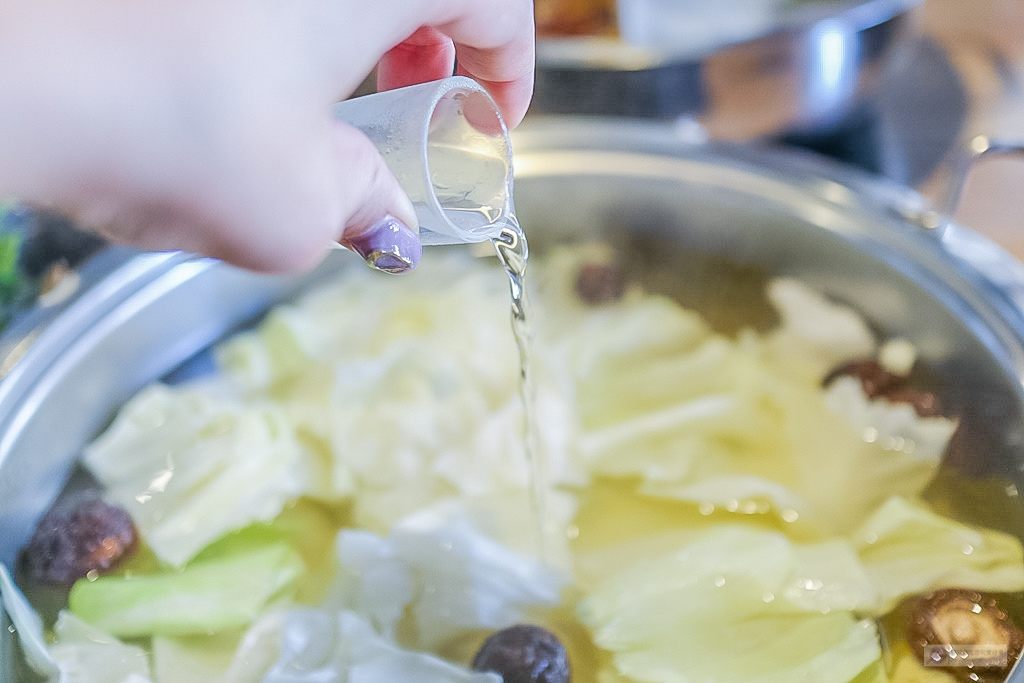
column 389, row 245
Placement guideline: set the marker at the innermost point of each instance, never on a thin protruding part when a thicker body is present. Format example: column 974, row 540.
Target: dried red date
column 91, row 536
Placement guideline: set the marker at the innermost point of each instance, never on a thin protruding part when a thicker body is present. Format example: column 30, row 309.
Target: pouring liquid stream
column 513, row 253
column 484, row 201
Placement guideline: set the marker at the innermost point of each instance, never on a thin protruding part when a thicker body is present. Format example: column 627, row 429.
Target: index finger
column 494, row 44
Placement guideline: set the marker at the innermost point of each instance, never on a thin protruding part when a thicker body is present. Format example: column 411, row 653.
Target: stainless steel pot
column 698, row 220
column 805, row 69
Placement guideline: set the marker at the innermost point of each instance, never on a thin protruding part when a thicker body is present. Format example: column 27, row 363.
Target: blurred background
column 984, row 41
column 898, row 87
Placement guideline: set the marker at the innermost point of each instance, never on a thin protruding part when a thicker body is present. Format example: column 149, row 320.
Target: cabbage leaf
column 311, row 646
column 188, row 659
column 190, row 465
column 906, row 549
column 417, row 402
column 895, row 426
column 815, row 334
column 736, row 431
column 86, row 654
column 447, row 575
column 225, row 588
column 737, row 605
column 712, row 420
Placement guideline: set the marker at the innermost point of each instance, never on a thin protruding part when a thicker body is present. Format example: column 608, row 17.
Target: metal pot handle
column 992, row 262
column 979, row 148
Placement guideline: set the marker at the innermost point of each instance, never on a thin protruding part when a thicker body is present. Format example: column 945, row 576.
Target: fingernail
column 388, row 245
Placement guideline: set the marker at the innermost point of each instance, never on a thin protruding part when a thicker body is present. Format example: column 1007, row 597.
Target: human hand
column 207, row 126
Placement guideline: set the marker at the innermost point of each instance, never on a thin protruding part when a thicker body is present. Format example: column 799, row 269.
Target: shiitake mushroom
column 600, row 282
column 964, row 633
column 72, row 541
column 524, row 654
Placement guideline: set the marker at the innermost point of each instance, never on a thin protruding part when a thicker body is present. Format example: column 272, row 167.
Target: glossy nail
column 389, row 245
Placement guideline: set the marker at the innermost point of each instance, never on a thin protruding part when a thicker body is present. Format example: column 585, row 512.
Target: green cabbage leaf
column 226, row 587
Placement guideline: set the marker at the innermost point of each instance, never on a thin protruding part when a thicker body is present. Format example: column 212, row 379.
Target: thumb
column 363, row 208
column 372, row 189
column 382, row 228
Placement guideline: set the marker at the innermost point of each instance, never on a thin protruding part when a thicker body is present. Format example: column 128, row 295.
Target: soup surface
column 348, row 497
